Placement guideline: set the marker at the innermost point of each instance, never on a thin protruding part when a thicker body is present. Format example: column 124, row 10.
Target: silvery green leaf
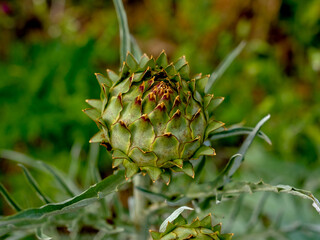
column 124, row 30
column 36, row 216
column 217, row 73
column 40, row 235
column 9, row 199
column 172, row 217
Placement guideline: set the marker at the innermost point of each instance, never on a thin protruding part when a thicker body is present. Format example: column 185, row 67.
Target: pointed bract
column 95, row 103
column 204, row 151
column 131, row 168
column 92, row 113
column 166, row 176
column 162, row 60
column 153, row 172
column 100, row 137
column 143, row 61
column 187, row 168
column 214, row 125
column 215, row 102
column 132, row 62
column 112, row 76
column 180, row 62
column 185, row 72
column 103, row 80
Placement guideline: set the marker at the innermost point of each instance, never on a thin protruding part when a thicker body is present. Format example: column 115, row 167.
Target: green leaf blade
column 9, row 199
column 59, row 179
column 125, row 39
column 238, row 131
column 34, row 184
column 93, row 194
column 136, row 51
column 236, row 160
column 38, row 165
column 217, row 73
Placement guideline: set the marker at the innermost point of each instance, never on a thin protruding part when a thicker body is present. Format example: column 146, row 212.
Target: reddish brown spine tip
column 177, row 114
column 160, row 91
column 120, row 96
column 145, row 117
column 176, row 101
column 122, row 123
column 138, row 100
column 142, row 86
column 166, row 96
column 168, row 134
column 150, row 82
column 161, row 106
column 152, row 96
column 131, row 77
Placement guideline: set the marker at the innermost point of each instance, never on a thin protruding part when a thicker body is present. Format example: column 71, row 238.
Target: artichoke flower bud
column 179, row 229
column 154, row 117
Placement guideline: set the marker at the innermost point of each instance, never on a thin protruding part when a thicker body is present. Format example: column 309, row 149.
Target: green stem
column 140, row 203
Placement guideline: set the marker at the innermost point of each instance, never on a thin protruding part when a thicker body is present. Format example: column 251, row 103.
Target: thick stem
column 140, row 203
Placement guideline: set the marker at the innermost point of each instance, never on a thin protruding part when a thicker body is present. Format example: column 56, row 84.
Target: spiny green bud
column 154, row 117
column 200, row 230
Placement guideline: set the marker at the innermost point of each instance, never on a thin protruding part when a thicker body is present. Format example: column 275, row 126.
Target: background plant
column 266, row 68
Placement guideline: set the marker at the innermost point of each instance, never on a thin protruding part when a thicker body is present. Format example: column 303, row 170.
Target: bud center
column 162, row 89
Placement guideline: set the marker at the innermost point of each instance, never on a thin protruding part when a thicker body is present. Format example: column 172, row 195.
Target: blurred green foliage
column 49, row 51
